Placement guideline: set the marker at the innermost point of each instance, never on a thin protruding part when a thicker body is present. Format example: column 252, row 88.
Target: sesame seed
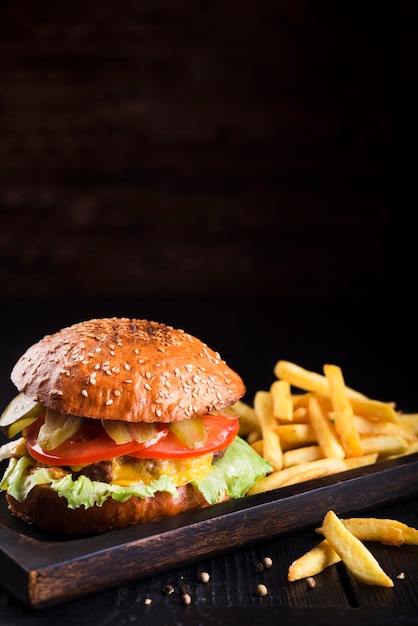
column 147, row 387
column 117, row 392
column 158, row 412
column 108, row 371
column 108, row 402
column 127, row 366
column 84, row 393
column 128, row 380
column 147, row 375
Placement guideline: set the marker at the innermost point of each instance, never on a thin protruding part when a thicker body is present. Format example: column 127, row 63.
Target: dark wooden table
column 251, row 335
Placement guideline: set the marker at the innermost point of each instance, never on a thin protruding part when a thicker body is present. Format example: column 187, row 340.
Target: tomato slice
column 92, row 444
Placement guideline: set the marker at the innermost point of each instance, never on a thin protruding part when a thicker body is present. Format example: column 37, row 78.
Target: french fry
column 412, row 448
column 386, row 531
column 301, row 415
column 366, row 426
column 307, row 380
column 313, row 562
column 272, row 450
column 258, row 446
column 282, row 400
column 303, row 476
column 360, row 461
column 354, row 554
column 304, row 454
column 301, row 400
column 325, row 432
column 275, row 480
column 384, row 445
column 410, row 420
column 248, row 419
column 343, row 412
column 410, row 534
column 374, row 409
column 295, row 435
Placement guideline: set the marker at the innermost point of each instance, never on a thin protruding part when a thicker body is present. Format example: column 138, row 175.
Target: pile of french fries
column 309, row 425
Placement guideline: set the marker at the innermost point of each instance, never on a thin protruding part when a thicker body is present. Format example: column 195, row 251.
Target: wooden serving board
column 43, row 569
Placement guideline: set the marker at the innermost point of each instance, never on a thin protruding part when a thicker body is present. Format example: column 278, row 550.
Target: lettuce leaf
column 232, row 475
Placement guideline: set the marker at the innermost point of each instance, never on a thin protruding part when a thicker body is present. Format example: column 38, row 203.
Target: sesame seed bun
column 126, row 369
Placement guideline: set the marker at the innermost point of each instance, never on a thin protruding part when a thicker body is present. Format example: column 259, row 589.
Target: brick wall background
column 195, row 147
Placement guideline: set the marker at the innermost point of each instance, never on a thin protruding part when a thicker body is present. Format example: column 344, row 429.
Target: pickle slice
column 57, row 428
column 18, row 414
column 124, row 432
column 190, row 431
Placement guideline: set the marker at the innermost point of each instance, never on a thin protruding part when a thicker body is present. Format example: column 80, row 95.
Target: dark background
column 190, row 160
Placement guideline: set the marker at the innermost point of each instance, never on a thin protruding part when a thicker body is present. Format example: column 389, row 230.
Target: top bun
column 126, row 369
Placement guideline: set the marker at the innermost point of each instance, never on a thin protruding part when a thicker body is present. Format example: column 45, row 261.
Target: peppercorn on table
column 227, row 565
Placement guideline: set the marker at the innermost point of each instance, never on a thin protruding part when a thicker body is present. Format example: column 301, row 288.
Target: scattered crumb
column 311, row 582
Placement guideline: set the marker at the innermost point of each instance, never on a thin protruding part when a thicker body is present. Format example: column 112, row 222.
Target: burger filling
column 88, row 460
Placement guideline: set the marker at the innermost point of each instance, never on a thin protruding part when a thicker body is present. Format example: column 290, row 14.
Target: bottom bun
column 43, row 507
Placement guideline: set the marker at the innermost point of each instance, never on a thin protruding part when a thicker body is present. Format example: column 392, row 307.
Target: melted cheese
column 127, row 470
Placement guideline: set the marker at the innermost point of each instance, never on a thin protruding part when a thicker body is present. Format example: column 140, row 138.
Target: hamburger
column 122, row 421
